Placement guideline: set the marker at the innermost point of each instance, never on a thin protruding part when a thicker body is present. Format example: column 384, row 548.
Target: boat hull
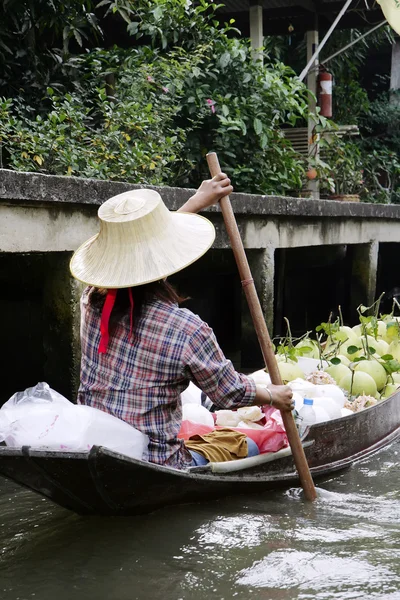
column 103, row 482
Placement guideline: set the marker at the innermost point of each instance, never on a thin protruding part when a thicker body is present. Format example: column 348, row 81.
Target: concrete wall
column 305, row 255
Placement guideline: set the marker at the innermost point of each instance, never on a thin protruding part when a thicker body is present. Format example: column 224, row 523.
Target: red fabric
column 269, row 439
column 105, row 318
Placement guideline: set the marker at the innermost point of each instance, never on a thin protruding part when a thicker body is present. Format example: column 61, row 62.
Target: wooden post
column 395, row 74
column 262, row 266
column 256, row 30
column 262, row 332
column 312, row 77
column 364, row 269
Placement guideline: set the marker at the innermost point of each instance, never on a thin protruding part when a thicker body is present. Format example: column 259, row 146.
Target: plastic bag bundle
column 270, row 437
column 228, row 418
column 260, row 377
column 250, row 413
column 41, row 418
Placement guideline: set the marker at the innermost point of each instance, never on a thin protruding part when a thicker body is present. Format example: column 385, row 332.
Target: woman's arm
column 279, row 396
column 210, row 191
column 205, row 364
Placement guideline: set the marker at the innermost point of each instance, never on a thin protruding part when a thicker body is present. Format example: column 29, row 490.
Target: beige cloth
column 220, row 445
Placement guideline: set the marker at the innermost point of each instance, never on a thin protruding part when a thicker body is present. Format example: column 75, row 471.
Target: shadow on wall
column 310, row 283
column 213, row 286
column 40, row 310
column 388, row 275
column 37, row 312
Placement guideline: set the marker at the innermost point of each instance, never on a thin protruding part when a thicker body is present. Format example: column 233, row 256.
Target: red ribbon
column 105, row 318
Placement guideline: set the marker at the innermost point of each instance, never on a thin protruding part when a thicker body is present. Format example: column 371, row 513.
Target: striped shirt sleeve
column 207, row 366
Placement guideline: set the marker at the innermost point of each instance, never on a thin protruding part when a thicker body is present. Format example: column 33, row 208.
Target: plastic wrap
column 41, row 418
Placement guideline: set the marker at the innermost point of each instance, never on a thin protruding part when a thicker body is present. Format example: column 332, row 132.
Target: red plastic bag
column 188, row 429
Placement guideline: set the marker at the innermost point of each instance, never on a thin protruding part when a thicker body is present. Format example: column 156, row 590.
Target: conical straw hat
column 391, row 10
column 140, row 241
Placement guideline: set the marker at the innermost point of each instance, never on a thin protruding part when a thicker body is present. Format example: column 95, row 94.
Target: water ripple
column 313, row 572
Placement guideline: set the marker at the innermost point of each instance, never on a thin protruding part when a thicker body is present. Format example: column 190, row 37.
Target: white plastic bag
column 260, row 377
column 197, row 414
column 41, row 418
column 329, row 405
column 250, row 413
column 330, row 391
column 227, row 418
column 103, row 429
column 192, row 395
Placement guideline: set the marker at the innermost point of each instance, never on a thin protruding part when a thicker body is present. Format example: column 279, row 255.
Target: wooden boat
column 102, row 482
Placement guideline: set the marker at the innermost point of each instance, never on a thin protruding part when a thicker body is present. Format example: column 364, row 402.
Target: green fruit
column 290, row 371
column 392, row 331
column 343, row 359
column 357, row 354
column 396, row 377
column 389, row 390
column 382, row 347
column 381, row 329
column 375, row 369
column 372, row 343
column 363, row 384
column 344, row 335
column 337, row 372
column 394, row 349
column 313, row 348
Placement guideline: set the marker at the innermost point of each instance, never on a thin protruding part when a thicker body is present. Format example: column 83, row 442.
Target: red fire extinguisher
column 325, row 80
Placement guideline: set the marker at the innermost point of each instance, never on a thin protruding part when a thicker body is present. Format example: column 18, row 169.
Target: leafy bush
column 149, row 114
column 97, row 139
column 380, row 148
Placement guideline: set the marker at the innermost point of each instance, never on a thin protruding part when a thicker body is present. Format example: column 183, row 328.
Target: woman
column 139, row 349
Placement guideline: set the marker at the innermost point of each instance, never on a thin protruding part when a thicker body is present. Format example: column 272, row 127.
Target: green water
column 346, row 546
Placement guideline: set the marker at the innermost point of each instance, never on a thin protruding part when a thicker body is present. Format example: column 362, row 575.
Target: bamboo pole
column 262, row 332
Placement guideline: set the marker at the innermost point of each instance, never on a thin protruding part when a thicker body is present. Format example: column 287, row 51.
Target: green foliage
column 182, row 85
column 126, row 142
column 35, row 39
column 369, row 165
column 343, row 171
column 380, row 148
column 150, row 113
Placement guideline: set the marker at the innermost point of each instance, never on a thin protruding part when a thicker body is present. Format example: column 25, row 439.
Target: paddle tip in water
column 299, row 494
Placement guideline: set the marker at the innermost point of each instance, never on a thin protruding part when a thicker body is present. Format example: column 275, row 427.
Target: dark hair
column 162, row 290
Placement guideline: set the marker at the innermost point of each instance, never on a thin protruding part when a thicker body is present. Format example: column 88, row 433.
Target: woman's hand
column 282, row 396
column 209, row 193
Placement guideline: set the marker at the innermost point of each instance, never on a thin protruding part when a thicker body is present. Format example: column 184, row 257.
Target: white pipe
column 361, row 37
column 326, row 38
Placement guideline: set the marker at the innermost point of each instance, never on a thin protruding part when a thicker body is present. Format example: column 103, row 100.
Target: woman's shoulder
column 184, row 318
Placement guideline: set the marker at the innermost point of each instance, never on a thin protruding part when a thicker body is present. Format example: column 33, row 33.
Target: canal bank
column 307, row 257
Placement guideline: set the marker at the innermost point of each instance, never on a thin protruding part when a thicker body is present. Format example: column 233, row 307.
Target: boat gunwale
column 96, row 452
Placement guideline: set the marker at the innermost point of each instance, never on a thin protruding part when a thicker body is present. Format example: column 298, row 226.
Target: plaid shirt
column 140, row 380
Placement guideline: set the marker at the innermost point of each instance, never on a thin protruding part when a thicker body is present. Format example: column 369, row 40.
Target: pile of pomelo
column 362, row 361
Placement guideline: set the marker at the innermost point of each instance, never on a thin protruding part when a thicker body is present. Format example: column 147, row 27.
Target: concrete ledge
column 21, row 188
